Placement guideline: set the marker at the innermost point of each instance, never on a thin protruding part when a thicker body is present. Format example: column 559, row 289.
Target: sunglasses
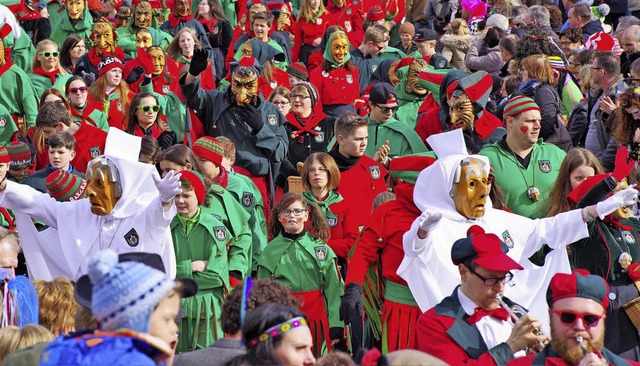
column 147, row 108
column 81, row 89
column 49, row 54
column 387, row 109
column 570, row 317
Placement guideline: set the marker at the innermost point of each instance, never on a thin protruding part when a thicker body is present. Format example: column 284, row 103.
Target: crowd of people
column 319, row 182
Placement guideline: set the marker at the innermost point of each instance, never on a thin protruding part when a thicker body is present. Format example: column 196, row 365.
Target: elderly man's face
column 471, row 192
column 101, row 192
column 563, row 335
column 629, row 43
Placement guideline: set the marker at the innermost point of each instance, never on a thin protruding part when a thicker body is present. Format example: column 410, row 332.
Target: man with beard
column 463, row 99
column 576, row 307
column 471, row 326
column 240, row 113
column 525, row 167
column 142, row 18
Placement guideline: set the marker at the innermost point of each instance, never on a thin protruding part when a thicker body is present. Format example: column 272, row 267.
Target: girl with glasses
column 47, row 71
column 144, row 119
column 82, row 110
column 281, row 98
column 302, row 260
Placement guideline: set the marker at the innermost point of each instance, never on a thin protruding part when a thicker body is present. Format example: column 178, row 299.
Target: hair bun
column 101, row 264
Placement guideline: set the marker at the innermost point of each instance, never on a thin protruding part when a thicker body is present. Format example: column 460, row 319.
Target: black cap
column 379, row 92
column 84, row 288
column 426, row 35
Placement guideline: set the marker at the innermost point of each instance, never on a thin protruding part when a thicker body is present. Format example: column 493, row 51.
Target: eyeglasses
column 49, row 54
column 570, row 317
column 317, row 170
column 492, row 281
column 298, row 96
column 295, row 212
column 379, row 48
column 147, row 108
column 596, row 68
column 81, row 89
column 387, row 109
column 280, row 103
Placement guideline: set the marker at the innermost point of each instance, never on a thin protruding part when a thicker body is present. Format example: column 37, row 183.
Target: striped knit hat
column 556, row 63
column 20, row 155
column 519, row 105
column 375, row 13
column 4, row 156
column 196, row 181
column 209, row 148
column 311, row 90
column 107, row 63
column 299, row 70
column 64, row 186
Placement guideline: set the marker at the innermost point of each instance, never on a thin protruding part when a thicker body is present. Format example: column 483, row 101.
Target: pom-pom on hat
column 299, row 70
column 375, row 13
column 20, row 155
column 383, row 93
column 579, row 283
column 125, row 294
column 519, row 105
column 108, row 63
column 485, row 250
column 209, row 148
column 600, row 41
column 64, row 186
column 311, row 90
column 4, row 156
column 407, row 27
column 196, row 181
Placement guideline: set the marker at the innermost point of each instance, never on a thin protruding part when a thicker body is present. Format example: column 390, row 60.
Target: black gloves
column 351, row 304
column 167, row 139
column 251, row 116
column 135, row 74
column 199, row 61
column 337, row 334
column 88, row 77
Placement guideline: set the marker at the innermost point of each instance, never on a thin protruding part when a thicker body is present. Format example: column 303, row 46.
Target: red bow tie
column 479, row 313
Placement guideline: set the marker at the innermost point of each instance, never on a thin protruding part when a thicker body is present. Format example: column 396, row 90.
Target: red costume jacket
column 89, row 145
column 338, row 86
column 307, row 32
column 350, row 13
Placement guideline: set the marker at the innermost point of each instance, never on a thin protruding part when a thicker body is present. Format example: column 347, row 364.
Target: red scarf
column 616, row 223
column 95, row 59
column 154, row 131
column 479, row 313
column 208, row 24
column 7, row 63
column 50, row 74
column 173, row 21
column 223, row 178
column 310, row 123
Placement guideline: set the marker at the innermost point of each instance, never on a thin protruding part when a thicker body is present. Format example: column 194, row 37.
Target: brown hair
column 317, row 221
column 149, row 147
column 62, row 139
column 349, row 122
column 327, row 161
column 56, row 304
column 280, row 90
column 132, row 119
column 539, row 68
column 575, row 158
column 181, row 155
column 263, row 15
column 625, row 125
column 228, row 147
column 99, row 91
column 173, row 49
column 84, row 319
column 263, row 291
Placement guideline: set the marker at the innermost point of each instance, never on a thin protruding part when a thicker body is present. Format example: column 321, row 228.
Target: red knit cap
column 20, row 155
column 64, row 186
column 375, row 13
column 209, row 148
column 196, row 182
column 4, row 155
column 108, row 63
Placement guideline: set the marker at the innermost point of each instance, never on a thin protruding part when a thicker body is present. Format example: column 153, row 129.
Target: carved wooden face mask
column 284, row 18
column 625, row 211
column 103, row 188
column 461, row 110
column 158, row 58
column 144, row 39
column 470, row 193
column 415, row 68
column 102, row 37
column 244, row 85
column 339, row 48
column 143, row 15
column 75, row 9
column 182, row 8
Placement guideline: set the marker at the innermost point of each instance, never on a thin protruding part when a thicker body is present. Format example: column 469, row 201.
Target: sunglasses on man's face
column 49, row 54
column 147, row 108
column 387, row 109
column 570, row 317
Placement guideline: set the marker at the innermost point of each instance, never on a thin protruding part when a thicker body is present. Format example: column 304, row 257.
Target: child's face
column 636, row 78
column 162, row 323
column 209, row 169
column 187, row 203
column 405, row 38
column 292, row 223
column 60, row 157
column 354, row 145
column 19, row 174
column 167, row 165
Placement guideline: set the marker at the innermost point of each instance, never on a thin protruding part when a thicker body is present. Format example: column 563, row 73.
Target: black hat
column 84, row 288
column 379, row 92
column 425, row 35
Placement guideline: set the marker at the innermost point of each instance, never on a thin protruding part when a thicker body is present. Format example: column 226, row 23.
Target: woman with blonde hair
column 57, row 305
column 538, row 83
column 313, row 19
column 13, row 338
column 47, row 70
column 456, row 43
column 112, row 91
column 180, row 50
column 578, row 165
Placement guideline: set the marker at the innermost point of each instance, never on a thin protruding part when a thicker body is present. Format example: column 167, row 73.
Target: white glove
column 625, row 197
column 168, row 187
column 428, row 221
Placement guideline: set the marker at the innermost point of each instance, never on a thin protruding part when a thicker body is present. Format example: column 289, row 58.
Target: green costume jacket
column 171, row 106
column 304, row 264
column 515, row 180
column 65, row 27
column 23, row 51
column 204, row 238
column 402, row 139
column 41, row 83
column 392, row 52
column 18, row 95
column 7, row 126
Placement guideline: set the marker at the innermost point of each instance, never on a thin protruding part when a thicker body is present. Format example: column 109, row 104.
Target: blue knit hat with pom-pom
column 125, row 293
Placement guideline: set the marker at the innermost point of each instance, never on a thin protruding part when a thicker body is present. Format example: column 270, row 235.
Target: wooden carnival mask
column 415, row 67
column 470, row 188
